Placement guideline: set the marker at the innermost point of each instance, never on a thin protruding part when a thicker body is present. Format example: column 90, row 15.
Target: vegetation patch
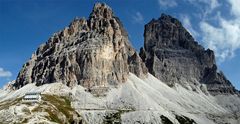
column 62, row 104
column 53, row 116
column 7, row 104
column 185, row 120
column 26, row 111
column 24, row 121
column 114, row 117
column 165, row 120
column 37, row 109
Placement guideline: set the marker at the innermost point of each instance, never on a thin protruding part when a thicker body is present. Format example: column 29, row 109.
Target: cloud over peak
column 188, row 25
column 167, row 3
column 4, row 73
column 138, row 18
column 219, row 31
column 235, row 9
column 224, row 38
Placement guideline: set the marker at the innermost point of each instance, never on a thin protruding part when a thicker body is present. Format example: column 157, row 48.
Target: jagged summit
column 176, row 36
column 96, row 52
column 90, row 52
column 101, row 10
column 173, row 56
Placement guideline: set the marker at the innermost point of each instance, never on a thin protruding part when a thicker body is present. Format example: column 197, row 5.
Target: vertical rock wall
column 90, row 52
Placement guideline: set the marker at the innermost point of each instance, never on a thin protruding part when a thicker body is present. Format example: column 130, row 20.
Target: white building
column 32, row 97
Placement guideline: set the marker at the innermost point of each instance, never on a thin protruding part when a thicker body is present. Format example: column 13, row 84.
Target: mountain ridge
column 93, row 52
column 89, row 73
column 173, row 56
column 61, row 56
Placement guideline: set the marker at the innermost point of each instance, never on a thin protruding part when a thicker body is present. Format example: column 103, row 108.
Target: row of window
column 31, row 99
column 31, row 96
column 32, row 93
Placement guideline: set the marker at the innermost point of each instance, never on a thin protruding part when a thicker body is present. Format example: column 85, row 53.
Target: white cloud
column 212, row 4
column 187, row 24
column 4, row 73
column 224, row 39
column 206, row 6
column 219, row 33
column 138, row 18
column 235, row 9
column 167, row 3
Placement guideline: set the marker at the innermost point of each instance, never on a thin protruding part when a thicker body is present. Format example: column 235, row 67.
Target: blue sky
column 26, row 24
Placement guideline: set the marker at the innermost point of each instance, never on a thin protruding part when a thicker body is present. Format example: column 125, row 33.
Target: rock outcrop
column 173, row 56
column 96, row 52
column 90, row 52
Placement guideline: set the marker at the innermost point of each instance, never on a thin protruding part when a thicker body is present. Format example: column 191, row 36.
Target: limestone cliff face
column 173, row 56
column 90, row 52
column 96, row 52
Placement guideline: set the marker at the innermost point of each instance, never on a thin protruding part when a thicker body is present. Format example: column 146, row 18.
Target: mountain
column 93, row 52
column 172, row 55
column 89, row 73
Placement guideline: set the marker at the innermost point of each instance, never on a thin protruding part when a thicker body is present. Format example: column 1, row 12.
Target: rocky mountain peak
column 164, row 18
column 169, row 33
column 91, row 52
column 173, row 56
column 101, row 10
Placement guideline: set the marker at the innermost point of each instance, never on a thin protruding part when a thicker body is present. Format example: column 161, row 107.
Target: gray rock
column 89, row 52
column 173, row 56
